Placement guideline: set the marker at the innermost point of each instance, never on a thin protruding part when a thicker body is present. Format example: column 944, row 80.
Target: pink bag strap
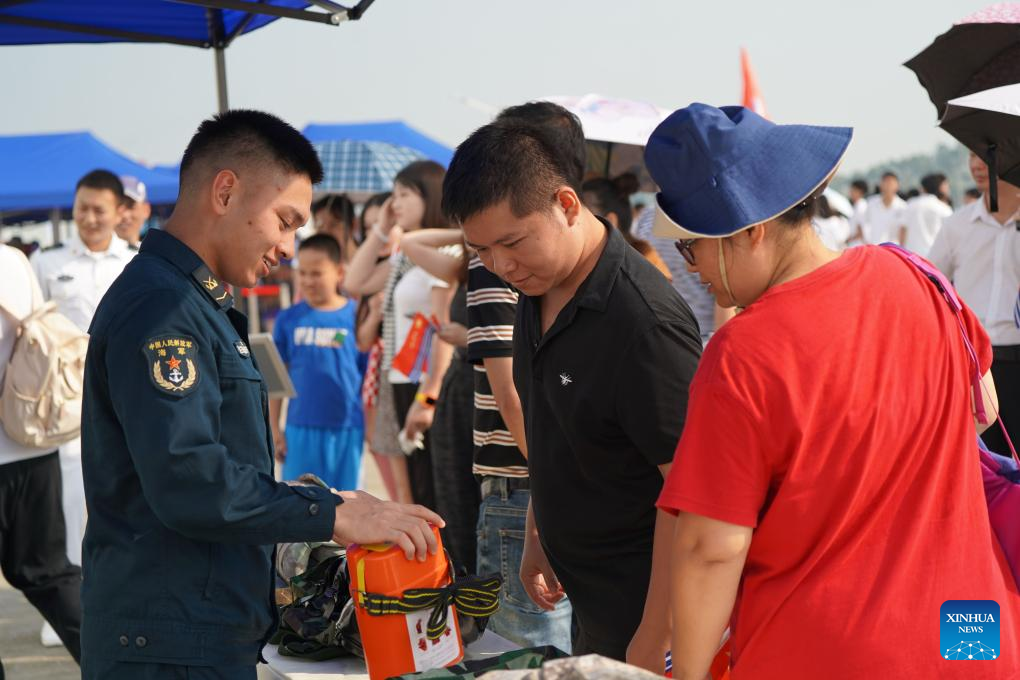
column 949, row 294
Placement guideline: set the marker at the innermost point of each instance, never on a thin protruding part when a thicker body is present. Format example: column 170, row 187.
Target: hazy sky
column 818, row 61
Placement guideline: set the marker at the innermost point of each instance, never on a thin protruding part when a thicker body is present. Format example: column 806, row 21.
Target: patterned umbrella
column 361, row 167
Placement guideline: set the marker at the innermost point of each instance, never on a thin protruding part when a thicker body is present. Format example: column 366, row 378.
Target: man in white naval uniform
column 76, row 275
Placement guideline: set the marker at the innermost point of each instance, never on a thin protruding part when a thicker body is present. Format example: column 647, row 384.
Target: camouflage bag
column 310, row 625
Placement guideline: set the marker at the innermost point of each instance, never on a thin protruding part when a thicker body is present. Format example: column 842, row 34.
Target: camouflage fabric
column 310, row 624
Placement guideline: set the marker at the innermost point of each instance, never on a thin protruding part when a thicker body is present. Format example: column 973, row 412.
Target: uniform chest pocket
column 235, row 368
column 64, row 287
column 243, row 411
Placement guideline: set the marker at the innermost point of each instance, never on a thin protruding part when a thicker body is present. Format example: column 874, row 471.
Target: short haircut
column 325, row 244
column 514, row 160
column 889, row 173
column 604, row 196
column 860, row 185
column 973, row 192
column 249, row 139
column 932, row 183
column 339, row 206
column 102, row 179
column 426, row 179
column 561, row 128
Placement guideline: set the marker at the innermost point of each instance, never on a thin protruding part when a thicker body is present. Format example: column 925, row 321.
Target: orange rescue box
column 396, row 644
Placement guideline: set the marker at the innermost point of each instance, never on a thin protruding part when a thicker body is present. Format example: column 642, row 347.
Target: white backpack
column 40, row 400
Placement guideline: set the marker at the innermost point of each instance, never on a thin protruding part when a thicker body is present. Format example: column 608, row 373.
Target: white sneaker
column 48, row 637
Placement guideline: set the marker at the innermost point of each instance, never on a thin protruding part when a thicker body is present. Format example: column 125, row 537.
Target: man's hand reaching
column 363, row 518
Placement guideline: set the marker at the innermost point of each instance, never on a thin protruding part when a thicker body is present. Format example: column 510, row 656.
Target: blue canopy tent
column 38, row 173
column 209, row 24
column 393, row 132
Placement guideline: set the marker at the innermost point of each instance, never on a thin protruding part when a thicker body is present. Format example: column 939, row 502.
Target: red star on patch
column 173, row 363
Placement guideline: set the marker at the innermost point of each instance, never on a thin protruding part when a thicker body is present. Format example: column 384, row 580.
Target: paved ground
column 22, row 655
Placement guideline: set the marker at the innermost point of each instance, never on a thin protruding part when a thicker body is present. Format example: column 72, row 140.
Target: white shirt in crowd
column 833, row 231
column 860, row 217
column 882, row 223
column 982, row 258
column 923, row 219
column 77, row 279
column 20, row 296
column 412, row 295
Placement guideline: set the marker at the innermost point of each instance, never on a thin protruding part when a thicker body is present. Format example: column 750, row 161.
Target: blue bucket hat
column 723, row 170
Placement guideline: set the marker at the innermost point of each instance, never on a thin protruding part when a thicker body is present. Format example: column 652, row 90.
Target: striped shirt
column 687, row 284
column 492, row 307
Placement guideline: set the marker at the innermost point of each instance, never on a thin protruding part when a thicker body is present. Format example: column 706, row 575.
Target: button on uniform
column 168, row 379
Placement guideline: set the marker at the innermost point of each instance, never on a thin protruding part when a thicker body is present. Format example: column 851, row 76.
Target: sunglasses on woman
column 684, row 246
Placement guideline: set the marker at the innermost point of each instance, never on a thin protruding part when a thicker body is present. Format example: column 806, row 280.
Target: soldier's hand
column 363, row 518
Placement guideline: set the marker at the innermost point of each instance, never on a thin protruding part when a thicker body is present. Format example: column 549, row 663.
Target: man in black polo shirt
column 604, row 351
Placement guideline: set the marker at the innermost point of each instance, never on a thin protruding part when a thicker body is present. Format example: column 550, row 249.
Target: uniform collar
column 979, row 213
column 117, row 247
column 161, row 244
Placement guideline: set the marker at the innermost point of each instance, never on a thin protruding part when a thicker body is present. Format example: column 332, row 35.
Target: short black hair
column 515, row 160
column 890, row 173
column 932, row 183
column 102, row 179
column 325, row 244
column 561, row 128
column 973, row 192
column 253, row 138
column 604, row 196
column 860, row 185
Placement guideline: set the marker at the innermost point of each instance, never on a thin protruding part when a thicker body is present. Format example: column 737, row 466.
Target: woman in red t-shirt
column 827, row 482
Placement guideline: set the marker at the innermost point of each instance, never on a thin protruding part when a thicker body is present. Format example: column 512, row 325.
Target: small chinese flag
column 413, row 358
column 752, row 93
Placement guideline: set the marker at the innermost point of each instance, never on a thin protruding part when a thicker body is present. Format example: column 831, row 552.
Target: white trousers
column 73, row 486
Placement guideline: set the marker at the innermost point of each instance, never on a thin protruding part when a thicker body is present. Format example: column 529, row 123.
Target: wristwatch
column 425, row 400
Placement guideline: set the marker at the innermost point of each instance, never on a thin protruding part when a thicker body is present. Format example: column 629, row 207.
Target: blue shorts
column 332, row 454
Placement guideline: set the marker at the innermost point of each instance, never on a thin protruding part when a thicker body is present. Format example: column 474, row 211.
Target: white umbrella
column 619, row 129
column 620, row 121
column 1005, row 99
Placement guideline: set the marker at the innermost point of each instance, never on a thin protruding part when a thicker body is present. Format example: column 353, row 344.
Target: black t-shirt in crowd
column 604, row 394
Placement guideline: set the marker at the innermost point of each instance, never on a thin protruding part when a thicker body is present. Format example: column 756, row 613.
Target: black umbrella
column 988, row 123
column 978, row 53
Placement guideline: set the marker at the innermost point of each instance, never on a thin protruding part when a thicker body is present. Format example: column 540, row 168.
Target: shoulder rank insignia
column 171, row 362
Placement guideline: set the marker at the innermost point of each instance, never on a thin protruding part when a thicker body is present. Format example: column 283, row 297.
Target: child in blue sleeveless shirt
column 325, row 426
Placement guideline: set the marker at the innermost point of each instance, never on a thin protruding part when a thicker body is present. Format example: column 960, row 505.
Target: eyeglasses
column 684, row 247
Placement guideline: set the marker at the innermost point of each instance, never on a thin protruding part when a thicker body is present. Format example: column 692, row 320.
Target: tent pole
column 221, row 78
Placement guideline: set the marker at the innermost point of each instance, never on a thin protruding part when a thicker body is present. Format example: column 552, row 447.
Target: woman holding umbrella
column 827, row 482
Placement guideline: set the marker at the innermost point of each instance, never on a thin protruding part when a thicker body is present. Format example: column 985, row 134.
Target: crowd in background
column 398, row 340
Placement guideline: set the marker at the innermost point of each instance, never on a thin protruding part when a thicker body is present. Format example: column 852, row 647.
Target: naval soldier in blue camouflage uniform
column 184, row 511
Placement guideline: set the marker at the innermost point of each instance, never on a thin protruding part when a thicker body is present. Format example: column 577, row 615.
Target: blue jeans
column 501, row 520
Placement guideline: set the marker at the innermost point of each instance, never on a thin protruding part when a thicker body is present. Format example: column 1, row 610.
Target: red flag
column 752, row 94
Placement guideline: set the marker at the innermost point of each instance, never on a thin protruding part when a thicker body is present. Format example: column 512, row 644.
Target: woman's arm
column 368, row 329
column 422, row 248
column 365, row 275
